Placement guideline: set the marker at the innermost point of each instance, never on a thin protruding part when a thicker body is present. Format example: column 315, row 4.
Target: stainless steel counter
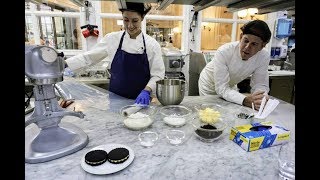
column 282, row 73
column 221, row 159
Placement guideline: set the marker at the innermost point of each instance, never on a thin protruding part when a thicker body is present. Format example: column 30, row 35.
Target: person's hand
column 255, row 99
column 143, row 98
column 68, row 72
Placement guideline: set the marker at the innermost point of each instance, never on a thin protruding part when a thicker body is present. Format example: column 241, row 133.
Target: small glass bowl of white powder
column 175, row 115
column 175, row 136
column 148, row 138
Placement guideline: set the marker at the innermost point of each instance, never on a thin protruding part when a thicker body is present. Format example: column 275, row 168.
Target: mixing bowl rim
column 148, row 132
column 153, row 112
column 224, row 125
column 178, row 106
column 175, row 130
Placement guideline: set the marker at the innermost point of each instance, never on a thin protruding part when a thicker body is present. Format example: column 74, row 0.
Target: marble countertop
column 89, row 80
column 221, row 159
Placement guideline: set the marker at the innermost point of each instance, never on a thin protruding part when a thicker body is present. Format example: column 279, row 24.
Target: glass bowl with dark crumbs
column 244, row 113
column 208, row 132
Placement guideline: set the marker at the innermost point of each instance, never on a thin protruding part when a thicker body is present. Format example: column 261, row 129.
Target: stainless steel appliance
column 173, row 62
column 50, row 139
column 170, row 91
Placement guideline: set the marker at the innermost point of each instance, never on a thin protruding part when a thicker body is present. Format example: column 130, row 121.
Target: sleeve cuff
column 239, row 99
column 76, row 62
column 153, row 88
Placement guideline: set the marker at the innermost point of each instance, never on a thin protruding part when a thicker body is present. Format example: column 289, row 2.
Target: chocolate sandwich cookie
column 96, row 157
column 118, row 155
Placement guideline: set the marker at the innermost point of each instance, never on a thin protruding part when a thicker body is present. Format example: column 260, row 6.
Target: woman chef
column 135, row 58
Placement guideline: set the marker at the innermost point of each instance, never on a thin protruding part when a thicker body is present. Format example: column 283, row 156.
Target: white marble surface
column 221, row 159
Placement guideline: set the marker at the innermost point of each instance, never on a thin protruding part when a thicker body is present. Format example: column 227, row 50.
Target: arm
column 222, row 78
column 95, row 55
column 157, row 69
column 259, row 83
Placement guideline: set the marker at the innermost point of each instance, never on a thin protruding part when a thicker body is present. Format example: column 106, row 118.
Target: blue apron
column 130, row 73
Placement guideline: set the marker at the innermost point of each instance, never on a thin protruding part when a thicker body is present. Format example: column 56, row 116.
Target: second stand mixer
column 50, row 139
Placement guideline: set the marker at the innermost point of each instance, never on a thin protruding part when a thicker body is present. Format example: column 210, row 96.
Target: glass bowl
column 208, row 132
column 132, row 109
column 148, row 138
column 136, row 117
column 213, row 106
column 175, row 137
column 175, row 115
column 244, row 113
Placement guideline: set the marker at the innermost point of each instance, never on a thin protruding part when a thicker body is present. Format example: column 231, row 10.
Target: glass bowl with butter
column 208, row 123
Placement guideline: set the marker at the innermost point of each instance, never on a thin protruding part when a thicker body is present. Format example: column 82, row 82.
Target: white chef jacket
column 107, row 48
column 222, row 74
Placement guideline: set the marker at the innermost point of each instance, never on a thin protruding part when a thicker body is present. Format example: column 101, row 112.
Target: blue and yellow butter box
column 256, row 136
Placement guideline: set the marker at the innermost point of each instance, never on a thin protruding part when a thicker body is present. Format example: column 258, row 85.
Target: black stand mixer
column 50, row 139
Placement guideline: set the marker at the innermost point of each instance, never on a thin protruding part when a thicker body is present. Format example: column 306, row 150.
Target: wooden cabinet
column 283, row 88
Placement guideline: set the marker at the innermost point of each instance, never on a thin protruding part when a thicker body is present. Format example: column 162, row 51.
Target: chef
column 135, row 58
column 234, row 62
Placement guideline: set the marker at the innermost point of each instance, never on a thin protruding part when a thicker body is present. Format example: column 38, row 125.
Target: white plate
column 107, row 167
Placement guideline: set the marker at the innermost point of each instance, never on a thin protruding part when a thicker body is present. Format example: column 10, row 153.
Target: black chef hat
column 258, row 28
column 141, row 8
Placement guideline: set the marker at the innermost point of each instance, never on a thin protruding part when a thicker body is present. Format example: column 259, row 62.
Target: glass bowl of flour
column 175, row 115
column 137, row 117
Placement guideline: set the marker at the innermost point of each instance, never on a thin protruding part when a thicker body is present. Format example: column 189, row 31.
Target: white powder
column 137, row 121
column 174, row 121
column 175, row 141
column 147, row 143
column 138, row 115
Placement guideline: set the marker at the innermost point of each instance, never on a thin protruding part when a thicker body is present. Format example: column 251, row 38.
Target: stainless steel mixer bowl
column 170, row 91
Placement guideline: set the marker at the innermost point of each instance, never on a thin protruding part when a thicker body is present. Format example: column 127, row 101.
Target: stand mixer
column 50, row 139
column 173, row 62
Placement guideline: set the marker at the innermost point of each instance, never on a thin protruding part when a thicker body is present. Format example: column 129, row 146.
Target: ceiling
column 264, row 6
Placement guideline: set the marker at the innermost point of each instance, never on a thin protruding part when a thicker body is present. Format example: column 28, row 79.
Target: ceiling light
column 242, row 13
column 252, row 11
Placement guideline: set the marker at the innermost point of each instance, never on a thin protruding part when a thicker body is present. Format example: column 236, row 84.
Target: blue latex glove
column 143, row 98
column 68, row 72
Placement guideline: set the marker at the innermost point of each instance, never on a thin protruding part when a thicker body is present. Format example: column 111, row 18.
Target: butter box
column 256, row 136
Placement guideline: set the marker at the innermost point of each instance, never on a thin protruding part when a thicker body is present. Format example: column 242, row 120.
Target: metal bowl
column 170, row 91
